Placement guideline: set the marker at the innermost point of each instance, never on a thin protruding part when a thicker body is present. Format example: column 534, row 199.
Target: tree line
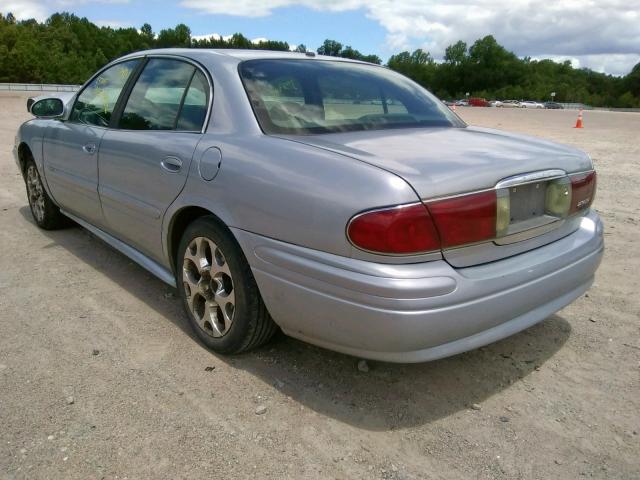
column 67, row 49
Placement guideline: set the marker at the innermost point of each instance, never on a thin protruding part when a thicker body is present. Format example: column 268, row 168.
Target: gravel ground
column 100, row 376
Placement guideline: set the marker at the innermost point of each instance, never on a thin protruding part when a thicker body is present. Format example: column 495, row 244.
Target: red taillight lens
column 456, row 221
column 465, row 219
column 399, row 230
column 583, row 190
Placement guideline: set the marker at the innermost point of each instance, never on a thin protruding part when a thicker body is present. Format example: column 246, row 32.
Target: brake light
column 583, row 190
column 461, row 220
column 399, row 230
column 465, row 219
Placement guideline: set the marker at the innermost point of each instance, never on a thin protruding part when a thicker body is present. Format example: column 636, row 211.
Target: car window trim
column 184, row 96
column 92, row 78
column 144, row 59
column 210, row 93
column 460, row 123
column 126, row 92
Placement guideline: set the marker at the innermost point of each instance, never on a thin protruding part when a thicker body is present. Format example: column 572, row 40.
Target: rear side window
column 194, row 108
column 157, row 97
column 96, row 102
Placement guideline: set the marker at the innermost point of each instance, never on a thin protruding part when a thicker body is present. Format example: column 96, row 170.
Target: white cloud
column 261, row 8
column 206, row 36
column 42, row 9
column 600, row 34
column 615, row 64
column 112, row 23
column 25, row 9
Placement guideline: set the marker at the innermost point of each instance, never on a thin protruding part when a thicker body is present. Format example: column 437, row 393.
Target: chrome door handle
column 171, row 164
column 89, row 148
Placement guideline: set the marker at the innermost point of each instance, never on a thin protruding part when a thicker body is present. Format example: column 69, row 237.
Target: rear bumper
column 418, row 312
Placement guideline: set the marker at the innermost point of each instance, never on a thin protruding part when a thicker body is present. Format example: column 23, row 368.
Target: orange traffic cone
column 579, row 121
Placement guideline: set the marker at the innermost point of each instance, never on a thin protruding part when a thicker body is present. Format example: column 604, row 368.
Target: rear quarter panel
column 288, row 191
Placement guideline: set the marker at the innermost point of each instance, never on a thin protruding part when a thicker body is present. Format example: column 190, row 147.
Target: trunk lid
column 441, row 162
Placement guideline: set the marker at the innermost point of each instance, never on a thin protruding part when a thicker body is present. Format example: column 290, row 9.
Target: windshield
column 318, row 96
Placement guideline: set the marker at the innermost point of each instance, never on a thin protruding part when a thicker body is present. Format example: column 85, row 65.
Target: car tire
column 218, row 290
column 45, row 213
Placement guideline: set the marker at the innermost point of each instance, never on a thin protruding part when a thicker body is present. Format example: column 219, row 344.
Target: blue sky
column 294, row 24
column 600, row 34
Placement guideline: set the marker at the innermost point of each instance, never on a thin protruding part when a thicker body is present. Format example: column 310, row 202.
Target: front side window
column 157, row 97
column 318, row 96
column 95, row 104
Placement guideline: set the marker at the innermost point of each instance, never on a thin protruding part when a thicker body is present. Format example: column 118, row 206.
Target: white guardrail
column 44, row 87
column 38, row 87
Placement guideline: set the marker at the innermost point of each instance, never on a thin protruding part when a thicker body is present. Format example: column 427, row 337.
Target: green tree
column 632, row 81
column 456, row 54
column 174, row 37
column 68, row 49
column 331, row 48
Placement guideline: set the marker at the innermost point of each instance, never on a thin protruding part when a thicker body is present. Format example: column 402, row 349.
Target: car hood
column 444, row 161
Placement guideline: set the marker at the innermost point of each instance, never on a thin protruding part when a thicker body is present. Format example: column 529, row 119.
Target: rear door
column 70, row 147
column 145, row 160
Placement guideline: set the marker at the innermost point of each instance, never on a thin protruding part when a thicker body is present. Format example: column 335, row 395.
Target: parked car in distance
column 531, row 104
column 553, row 105
column 495, row 103
column 334, row 199
column 510, row 104
column 462, row 103
column 478, row 102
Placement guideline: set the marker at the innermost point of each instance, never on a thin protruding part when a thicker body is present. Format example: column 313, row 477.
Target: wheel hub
column 208, row 287
column 35, row 193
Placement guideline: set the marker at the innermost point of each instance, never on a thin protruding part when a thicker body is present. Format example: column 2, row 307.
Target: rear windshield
column 318, row 96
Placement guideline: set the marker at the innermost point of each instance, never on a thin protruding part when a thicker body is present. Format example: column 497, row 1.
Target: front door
column 145, row 160
column 70, row 147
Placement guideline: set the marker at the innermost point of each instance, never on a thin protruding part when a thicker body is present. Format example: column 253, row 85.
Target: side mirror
column 47, row 108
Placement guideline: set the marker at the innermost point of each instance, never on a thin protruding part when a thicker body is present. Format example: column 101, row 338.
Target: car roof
column 240, row 54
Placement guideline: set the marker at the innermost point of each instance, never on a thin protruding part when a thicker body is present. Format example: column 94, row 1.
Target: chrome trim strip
column 455, row 195
column 142, row 56
column 499, row 188
column 514, row 181
column 529, row 233
column 584, row 172
column 145, row 262
column 532, row 177
column 206, row 74
column 499, row 185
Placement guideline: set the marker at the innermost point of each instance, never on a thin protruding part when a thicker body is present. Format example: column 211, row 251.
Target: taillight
column 399, row 230
column 583, row 190
column 465, row 219
column 461, row 220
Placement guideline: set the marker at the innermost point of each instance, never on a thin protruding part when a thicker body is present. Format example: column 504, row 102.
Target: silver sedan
column 335, row 200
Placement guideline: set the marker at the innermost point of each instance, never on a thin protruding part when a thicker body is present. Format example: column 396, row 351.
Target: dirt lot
column 77, row 319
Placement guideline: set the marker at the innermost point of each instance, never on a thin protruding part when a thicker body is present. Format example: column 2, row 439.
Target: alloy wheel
column 208, row 286
column 36, row 193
